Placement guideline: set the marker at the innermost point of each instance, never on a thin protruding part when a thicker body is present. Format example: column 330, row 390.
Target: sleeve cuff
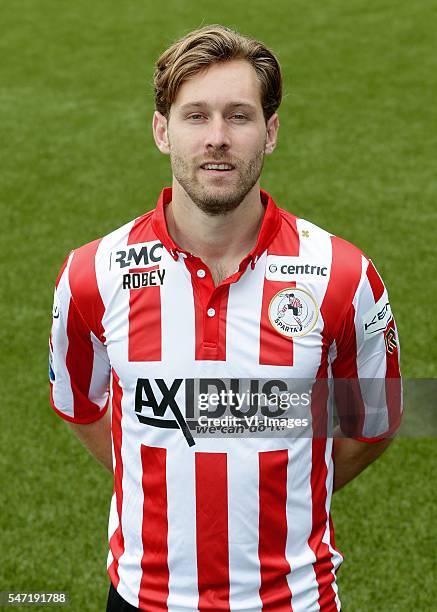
column 82, row 421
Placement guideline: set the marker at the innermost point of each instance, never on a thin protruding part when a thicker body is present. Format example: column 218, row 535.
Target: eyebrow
column 231, row 105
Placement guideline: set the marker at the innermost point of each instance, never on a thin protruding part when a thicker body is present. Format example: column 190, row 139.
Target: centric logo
column 293, row 312
column 273, row 268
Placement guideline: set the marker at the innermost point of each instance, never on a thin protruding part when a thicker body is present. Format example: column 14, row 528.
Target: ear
column 272, row 134
column 160, row 132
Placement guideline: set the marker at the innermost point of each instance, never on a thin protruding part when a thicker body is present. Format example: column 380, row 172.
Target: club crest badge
column 293, row 312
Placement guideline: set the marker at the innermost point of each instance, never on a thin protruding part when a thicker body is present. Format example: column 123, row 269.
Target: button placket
column 210, row 300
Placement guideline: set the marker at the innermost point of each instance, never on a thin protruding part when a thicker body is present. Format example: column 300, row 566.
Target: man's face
column 217, row 136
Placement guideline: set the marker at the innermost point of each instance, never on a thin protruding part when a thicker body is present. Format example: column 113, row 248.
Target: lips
column 217, row 166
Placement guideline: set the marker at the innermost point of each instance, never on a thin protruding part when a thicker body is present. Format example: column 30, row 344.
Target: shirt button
column 211, row 312
column 201, row 273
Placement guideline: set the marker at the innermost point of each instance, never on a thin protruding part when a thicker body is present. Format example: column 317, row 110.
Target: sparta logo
column 293, row 312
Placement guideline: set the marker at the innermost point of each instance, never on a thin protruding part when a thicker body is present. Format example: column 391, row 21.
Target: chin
column 215, row 199
column 218, row 203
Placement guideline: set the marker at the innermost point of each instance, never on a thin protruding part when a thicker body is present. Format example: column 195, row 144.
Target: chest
column 171, row 320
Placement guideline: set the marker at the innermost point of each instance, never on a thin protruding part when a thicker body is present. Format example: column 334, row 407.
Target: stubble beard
column 213, row 201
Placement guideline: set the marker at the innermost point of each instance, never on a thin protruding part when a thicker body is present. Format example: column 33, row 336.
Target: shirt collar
column 270, row 226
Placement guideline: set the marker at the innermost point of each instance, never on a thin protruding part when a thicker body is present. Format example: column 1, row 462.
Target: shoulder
column 87, row 270
column 332, row 267
column 101, row 248
column 97, row 257
column 342, row 256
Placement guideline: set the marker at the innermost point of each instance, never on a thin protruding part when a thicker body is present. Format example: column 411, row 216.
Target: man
column 218, row 286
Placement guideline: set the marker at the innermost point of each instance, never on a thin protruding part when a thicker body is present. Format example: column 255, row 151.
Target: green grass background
column 356, row 155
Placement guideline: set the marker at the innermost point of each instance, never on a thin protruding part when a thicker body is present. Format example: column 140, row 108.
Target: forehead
column 222, row 84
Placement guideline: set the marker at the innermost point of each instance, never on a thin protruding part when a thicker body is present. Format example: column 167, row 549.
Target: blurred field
column 357, row 156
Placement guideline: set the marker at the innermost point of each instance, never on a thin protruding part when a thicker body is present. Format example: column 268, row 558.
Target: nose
column 217, row 136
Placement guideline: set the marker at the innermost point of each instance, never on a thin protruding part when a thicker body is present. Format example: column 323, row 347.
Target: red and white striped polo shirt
column 219, row 523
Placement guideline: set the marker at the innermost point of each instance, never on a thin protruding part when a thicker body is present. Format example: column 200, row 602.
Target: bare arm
column 351, row 457
column 96, row 437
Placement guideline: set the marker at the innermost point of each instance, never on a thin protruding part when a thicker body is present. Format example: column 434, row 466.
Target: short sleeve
column 367, row 379
column 79, row 369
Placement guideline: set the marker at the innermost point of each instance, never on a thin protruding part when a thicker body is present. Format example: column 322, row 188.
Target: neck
column 215, row 239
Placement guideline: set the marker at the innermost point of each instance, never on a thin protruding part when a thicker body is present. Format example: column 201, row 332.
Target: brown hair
column 211, row 44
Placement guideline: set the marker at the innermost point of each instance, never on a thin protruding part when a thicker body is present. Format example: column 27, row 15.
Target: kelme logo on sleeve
column 376, row 320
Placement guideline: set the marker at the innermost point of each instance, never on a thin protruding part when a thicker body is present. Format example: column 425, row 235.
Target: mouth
column 217, row 168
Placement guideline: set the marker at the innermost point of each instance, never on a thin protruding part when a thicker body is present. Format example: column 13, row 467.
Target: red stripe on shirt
column 210, row 331
column 351, row 409
column 79, row 362
column 323, row 565
column 375, row 282
column 116, row 542
column 339, row 315
column 343, row 283
column 141, row 230
column 274, row 591
column 276, row 349
column 145, row 337
column 212, row 531
column 145, row 332
column 153, row 592
column 332, row 536
column 223, row 311
column 84, row 288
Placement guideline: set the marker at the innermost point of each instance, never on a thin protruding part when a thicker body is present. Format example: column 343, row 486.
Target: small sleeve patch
column 56, row 306
column 376, row 320
column 52, row 376
column 390, row 339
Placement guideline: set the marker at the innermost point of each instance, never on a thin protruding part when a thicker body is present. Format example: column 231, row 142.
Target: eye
column 239, row 116
column 195, row 116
